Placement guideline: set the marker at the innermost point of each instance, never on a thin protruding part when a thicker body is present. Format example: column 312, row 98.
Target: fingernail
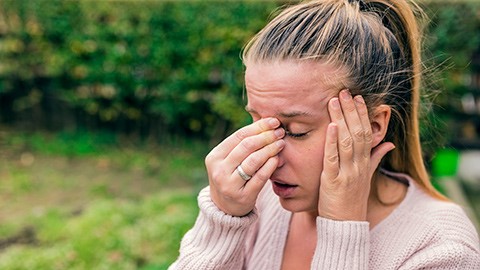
column 359, row 99
column 335, row 103
column 280, row 143
column 273, row 122
column 345, row 94
column 279, row 132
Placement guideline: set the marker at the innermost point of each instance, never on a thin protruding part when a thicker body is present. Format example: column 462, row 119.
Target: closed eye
column 295, row 135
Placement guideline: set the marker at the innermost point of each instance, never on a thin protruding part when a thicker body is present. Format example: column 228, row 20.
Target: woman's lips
column 282, row 189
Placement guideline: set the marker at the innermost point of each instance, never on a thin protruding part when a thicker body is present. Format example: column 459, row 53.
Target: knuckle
column 262, row 175
column 209, row 159
column 273, row 149
column 350, row 109
column 241, row 134
column 359, row 135
column 216, row 176
column 264, row 124
column 338, row 116
column 248, row 144
column 268, row 136
column 252, row 161
column 335, row 183
column 332, row 158
column 362, row 110
column 346, row 143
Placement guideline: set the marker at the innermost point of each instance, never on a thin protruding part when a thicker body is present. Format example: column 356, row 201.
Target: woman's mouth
column 282, row 189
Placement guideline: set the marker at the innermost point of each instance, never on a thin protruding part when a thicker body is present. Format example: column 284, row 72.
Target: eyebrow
column 291, row 114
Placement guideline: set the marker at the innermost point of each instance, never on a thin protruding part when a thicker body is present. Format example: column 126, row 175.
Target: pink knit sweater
column 421, row 233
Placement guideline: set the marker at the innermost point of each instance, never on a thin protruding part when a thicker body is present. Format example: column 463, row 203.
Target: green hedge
column 154, row 67
column 144, row 65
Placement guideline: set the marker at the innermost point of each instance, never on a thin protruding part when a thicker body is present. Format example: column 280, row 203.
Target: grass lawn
column 84, row 202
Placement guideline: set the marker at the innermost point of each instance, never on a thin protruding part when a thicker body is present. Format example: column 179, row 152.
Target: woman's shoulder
column 426, row 229
column 419, row 203
column 442, row 213
column 439, row 219
column 446, row 218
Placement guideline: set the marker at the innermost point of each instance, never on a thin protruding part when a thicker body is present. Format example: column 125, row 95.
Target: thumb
column 379, row 152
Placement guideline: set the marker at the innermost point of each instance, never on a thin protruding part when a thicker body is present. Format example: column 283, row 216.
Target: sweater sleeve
column 341, row 244
column 216, row 241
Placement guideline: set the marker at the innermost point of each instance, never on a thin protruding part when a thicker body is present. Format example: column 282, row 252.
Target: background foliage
column 143, row 67
column 151, row 68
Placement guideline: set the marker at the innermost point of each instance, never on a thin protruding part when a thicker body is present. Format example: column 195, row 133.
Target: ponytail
column 401, row 18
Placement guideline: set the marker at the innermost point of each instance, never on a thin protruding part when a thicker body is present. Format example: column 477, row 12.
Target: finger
column 261, row 176
column 257, row 159
column 331, row 165
column 354, row 124
column 378, row 153
column 262, row 125
column 365, row 120
column 254, row 143
column 345, row 142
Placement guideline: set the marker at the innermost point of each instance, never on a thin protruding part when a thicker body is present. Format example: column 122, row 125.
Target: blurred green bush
column 150, row 68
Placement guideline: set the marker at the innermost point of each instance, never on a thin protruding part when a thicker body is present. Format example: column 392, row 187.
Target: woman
column 330, row 174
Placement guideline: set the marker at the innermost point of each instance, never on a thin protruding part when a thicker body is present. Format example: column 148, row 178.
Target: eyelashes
column 294, row 135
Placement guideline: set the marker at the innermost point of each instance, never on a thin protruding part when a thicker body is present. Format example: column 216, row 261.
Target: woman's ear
column 379, row 122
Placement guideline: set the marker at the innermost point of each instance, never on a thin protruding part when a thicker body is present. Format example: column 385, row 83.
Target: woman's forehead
column 291, row 87
column 302, row 75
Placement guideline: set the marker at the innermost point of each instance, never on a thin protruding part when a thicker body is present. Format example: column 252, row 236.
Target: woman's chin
column 295, row 205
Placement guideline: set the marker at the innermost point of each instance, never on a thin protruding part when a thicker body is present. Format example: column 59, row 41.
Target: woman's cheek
column 316, row 155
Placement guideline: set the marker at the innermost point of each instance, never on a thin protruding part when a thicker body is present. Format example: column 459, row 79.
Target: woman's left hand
column 349, row 160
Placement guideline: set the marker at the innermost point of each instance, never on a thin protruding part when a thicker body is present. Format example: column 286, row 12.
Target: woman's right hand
column 255, row 148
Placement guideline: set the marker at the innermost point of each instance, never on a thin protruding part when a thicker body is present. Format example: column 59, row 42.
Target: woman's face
column 297, row 94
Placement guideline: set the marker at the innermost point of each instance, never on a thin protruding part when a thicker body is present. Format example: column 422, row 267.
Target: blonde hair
column 377, row 43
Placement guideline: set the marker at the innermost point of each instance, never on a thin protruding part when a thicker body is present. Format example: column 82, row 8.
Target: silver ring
column 242, row 173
